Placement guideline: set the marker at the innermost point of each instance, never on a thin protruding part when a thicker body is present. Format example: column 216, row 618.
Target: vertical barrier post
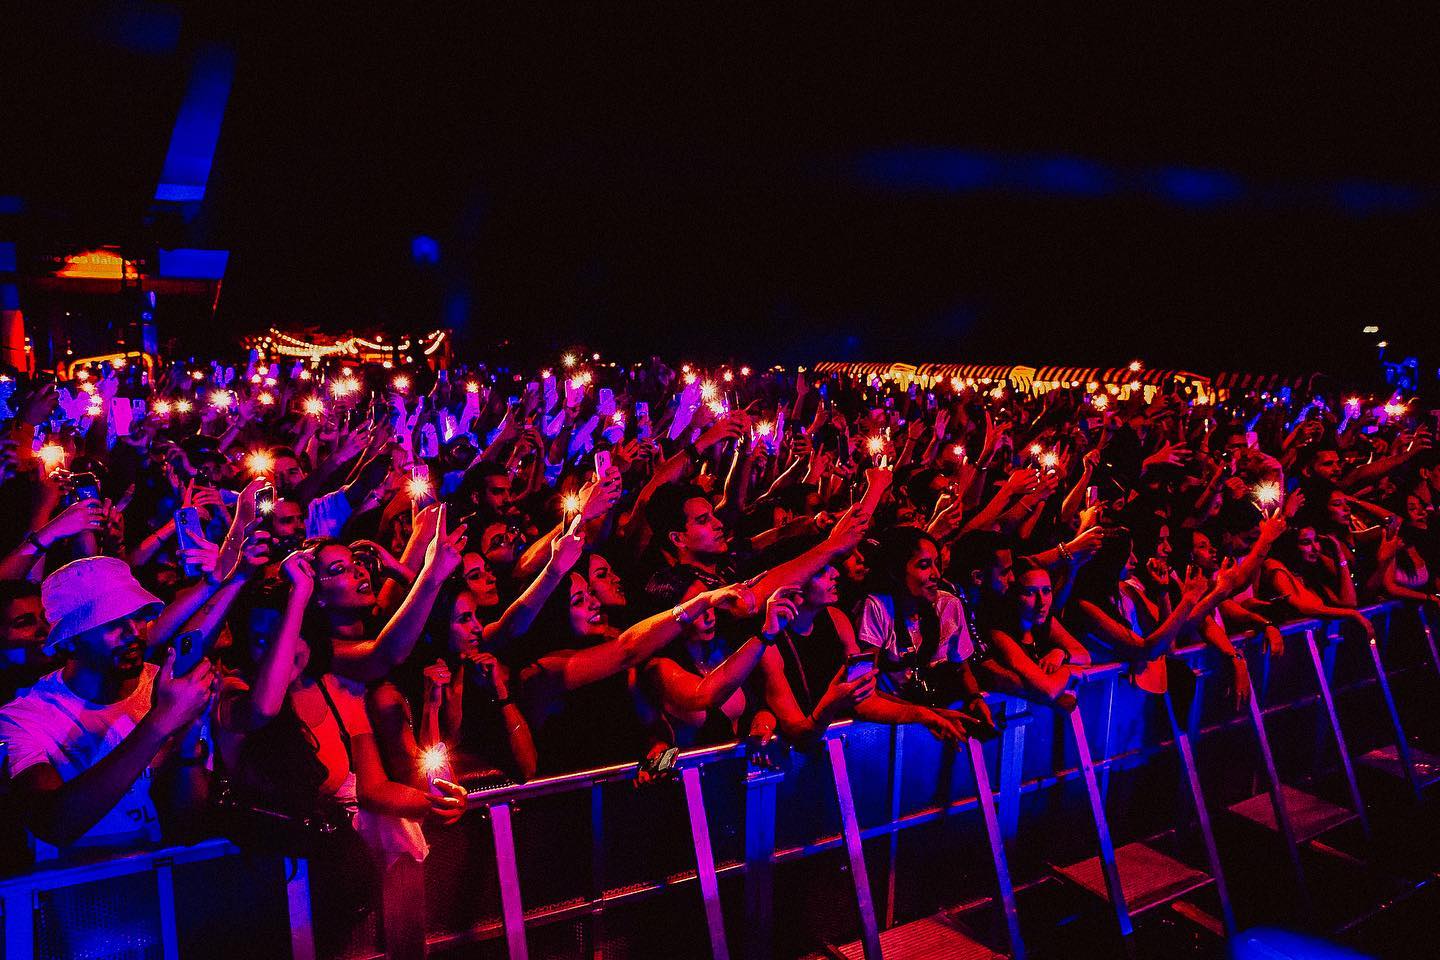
column 705, row 862
column 1277, row 795
column 997, row 847
column 297, row 896
column 1197, row 798
column 1012, row 764
column 1102, row 825
column 1402, row 745
column 402, row 912
column 760, row 787
column 597, row 868
column 1322, row 677
column 1107, row 733
column 512, row 911
column 1429, row 638
column 19, row 906
column 850, row 827
column 165, row 888
column 897, row 781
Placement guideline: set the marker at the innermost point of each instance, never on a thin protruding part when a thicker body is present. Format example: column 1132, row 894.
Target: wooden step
column 1387, row 760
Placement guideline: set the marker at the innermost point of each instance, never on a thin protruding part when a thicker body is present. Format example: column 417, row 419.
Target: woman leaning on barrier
column 1032, row 645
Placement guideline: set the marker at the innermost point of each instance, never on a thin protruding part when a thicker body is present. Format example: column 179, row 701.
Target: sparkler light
column 1035, row 449
column 401, row 382
column 716, row 407
column 1268, row 495
column 82, row 375
column 220, row 399
column 764, row 428
column 260, row 461
column 183, row 406
column 569, row 360
column 1049, row 459
column 418, row 488
column 1102, row 402
column 1394, row 409
column 266, row 399
column 314, row 407
column 570, row 503
column 728, row 377
column 744, row 371
column 196, row 375
column 434, row 761
column 959, row 451
column 619, row 418
column 472, row 387
column 689, row 379
column 708, row 390
column 875, row 446
column 1134, row 366
column 305, row 374
column 161, row 407
column 52, row 455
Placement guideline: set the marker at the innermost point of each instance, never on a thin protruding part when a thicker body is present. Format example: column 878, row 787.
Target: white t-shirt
column 50, row 724
column 877, row 629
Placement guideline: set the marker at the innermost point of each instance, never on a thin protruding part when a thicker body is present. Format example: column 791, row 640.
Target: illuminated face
column 288, row 474
column 1162, row 544
column 999, row 576
column 466, row 628
column 115, row 650
column 22, row 624
column 703, row 534
column 823, row 589
column 1307, row 544
column 479, row 580
column 286, row 520
column 1337, row 508
column 702, row 628
column 1415, row 510
column 604, row 583
column 922, row 573
column 344, row 585
column 854, row 567
column 1204, row 554
column 587, row 616
column 501, row 545
column 496, row 495
column 1033, row 592
column 1326, row 466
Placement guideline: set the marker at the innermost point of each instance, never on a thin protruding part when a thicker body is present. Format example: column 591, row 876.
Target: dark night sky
column 674, row 179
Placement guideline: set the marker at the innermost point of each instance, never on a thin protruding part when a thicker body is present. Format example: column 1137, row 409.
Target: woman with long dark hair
column 1032, row 645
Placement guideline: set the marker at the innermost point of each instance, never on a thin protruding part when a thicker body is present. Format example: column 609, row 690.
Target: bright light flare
column 314, row 407
column 472, row 387
column 1035, row 449
column 716, row 407
column 160, row 408
column 764, row 428
column 1268, row 495
column 744, row 371
column 418, row 488
column 220, row 399
column 619, row 418
column 434, row 761
column 82, row 375
column 1049, row 459
column 260, row 462
column 1101, row 402
column 875, row 446
column 570, row 503
column 401, row 382
column 52, row 455
column 184, row 406
column 569, row 360
column 1135, row 366
column 728, row 377
column 708, row 391
column 1393, row 409
column 689, row 379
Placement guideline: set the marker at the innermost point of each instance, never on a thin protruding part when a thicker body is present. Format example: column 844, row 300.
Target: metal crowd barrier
column 862, row 785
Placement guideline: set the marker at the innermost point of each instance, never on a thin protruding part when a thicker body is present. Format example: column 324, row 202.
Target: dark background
column 1196, row 189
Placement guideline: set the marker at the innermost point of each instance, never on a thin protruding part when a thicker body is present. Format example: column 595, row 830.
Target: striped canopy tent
column 901, row 372
column 966, row 371
column 1259, row 381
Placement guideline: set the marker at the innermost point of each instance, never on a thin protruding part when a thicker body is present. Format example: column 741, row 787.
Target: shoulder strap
column 344, row 734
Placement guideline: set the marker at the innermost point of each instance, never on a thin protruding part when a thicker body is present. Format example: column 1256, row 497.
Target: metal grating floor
column 1309, row 815
column 1387, row 760
column 930, row 938
column 1148, row 877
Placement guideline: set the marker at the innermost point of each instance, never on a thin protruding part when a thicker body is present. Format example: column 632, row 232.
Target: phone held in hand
column 603, row 463
column 859, row 666
column 189, row 650
column 642, row 419
column 265, row 500
column 85, row 486
column 188, row 534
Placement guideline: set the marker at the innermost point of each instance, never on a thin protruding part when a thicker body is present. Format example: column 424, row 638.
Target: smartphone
column 859, row 665
column 187, row 534
column 603, row 463
column 86, row 487
column 1092, row 496
column 189, row 650
column 642, row 419
column 265, row 500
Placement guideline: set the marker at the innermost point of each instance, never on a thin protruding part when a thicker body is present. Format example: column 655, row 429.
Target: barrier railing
column 904, row 781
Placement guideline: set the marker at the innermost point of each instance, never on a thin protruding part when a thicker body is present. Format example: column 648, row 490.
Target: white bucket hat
column 91, row 591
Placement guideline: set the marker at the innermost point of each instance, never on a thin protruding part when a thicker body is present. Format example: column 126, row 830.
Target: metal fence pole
column 19, row 906
column 297, row 897
column 760, row 787
column 1012, row 764
column 1102, row 825
column 997, row 847
column 1197, row 798
column 705, row 862
column 854, row 847
column 512, row 910
column 1322, row 677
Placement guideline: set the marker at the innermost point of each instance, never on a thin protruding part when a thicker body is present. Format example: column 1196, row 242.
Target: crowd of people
column 310, row 605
